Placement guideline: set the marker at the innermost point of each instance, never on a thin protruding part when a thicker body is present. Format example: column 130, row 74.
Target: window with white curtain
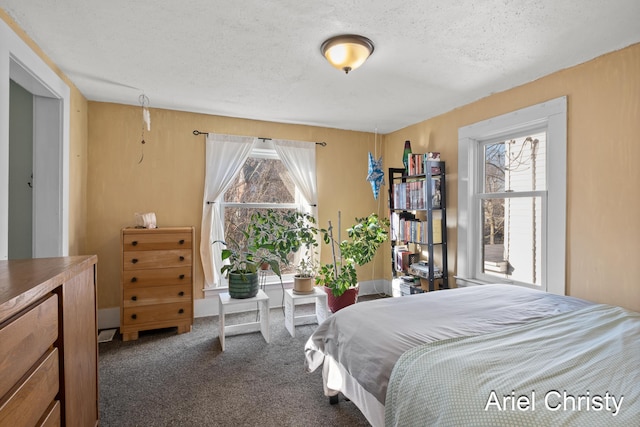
column 512, row 199
column 264, row 182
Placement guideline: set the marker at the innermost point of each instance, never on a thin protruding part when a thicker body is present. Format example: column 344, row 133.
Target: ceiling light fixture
column 347, row 52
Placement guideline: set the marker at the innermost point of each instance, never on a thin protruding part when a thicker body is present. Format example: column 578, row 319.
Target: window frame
column 480, row 195
column 266, row 150
column 551, row 115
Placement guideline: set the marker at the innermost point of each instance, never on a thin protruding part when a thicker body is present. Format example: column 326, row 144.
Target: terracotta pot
column 344, row 300
column 303, row 285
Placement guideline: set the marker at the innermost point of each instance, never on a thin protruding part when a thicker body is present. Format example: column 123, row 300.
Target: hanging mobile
column 146, row 122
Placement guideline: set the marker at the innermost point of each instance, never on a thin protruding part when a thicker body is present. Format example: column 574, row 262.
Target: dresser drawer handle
column 134, row 298
column 134, row 243
column 181, row 293
column 134, row 316
column 181, row 276
column 181, row 241
column 135, row 260
column 181, row 258
column 134, row 279
column 181, row 311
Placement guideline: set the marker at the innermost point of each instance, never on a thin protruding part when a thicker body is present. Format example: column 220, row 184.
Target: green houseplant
column 364, row 239
column 241, row 268
column 270, row 238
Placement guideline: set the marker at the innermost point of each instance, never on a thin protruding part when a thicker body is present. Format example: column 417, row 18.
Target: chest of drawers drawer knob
column 134, row 298
column 181, row 242
column 134, row 260
column 134, row 243
column 181, row 258
column 134, row 316
column 181, row 311
column 181, row 294
column 134, row 279
column 182, row 277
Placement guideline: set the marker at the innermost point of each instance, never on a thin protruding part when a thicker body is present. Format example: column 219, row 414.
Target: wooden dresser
column 157, row 279
column 48, row 342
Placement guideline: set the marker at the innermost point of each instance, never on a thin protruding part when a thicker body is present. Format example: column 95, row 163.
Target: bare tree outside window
column 263, row 183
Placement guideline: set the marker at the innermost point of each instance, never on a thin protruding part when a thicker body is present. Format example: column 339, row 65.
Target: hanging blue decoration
column 375, row 175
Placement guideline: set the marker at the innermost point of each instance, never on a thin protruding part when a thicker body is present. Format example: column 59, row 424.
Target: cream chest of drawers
column 156, row 280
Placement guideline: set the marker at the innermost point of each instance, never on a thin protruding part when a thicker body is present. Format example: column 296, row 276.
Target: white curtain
column 300, row 159
column 225, row 155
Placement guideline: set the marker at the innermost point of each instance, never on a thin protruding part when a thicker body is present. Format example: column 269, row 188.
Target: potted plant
column 340, row 278
column 241, row 269
column 303, row 281
column 270, row 237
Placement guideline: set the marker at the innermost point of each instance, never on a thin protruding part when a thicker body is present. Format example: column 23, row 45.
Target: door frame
column 51, row 117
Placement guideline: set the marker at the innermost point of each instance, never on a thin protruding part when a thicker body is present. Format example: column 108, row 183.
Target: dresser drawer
column 157, row 313
column 52, row 416
column 136, row 260
column 25, row 339
column 156, row 277
column 153, row 240
column 33, row 397
column 160, row 295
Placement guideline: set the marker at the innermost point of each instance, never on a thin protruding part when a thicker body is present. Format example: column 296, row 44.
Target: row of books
column 416, row 163
column 411, row 195
column 407, row 228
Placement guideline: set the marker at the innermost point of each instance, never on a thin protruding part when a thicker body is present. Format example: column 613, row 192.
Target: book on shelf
column 401, row 258
column 421, row 269
column 436, row 195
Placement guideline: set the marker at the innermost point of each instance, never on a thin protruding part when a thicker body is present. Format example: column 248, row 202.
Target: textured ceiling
column 261, row 59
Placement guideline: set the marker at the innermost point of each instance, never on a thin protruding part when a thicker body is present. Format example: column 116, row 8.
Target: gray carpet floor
column 166, row 379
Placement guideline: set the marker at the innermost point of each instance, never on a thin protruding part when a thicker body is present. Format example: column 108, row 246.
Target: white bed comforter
column 366, row 339
column 580, row 368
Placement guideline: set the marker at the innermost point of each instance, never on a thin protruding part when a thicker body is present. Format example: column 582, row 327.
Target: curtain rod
column 197, row 132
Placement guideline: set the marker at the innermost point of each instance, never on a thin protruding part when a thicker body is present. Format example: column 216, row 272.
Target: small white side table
column 263, row 325
column 290, row 301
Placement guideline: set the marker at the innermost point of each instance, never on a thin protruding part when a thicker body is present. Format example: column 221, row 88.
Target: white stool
column 263, row 325
column 290, row 301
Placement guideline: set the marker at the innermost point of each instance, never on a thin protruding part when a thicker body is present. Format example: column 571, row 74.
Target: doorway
column 20, row 172
column 20, row 66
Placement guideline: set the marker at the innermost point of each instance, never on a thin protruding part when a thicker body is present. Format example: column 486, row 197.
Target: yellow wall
column 603, row 206
column 77, row 149
column 170, row 179
column 603, row 176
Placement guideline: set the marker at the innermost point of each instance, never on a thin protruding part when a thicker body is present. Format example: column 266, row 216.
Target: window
column 263, row 183
column 512, row 198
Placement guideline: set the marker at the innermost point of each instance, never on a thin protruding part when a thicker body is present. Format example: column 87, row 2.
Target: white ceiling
column 261, row 59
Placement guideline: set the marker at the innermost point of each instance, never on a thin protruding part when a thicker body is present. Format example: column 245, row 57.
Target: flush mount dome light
column 347, row 52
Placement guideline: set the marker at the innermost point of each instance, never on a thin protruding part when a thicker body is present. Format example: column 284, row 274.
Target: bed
column 383, row 355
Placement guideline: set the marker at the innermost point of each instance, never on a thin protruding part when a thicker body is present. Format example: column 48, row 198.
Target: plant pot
column 338, row 303
column 303, row 285
column 243, row 285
